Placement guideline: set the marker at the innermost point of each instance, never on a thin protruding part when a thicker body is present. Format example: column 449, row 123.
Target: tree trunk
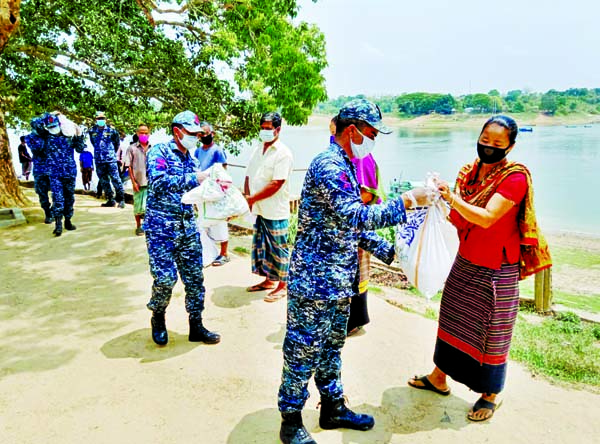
column 9, row 19
column 10, row 193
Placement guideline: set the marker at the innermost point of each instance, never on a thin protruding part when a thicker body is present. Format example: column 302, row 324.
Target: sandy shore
column 438, row 121
column 77, row 363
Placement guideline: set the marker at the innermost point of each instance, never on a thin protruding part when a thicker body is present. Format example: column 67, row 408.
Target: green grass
column 575, row 257
column 375, row 289
column 585, row 302
column 431, row 313
column 563, row 348
column 241, row 250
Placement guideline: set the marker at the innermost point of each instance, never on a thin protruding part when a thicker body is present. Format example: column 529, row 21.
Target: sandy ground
column 77, row 363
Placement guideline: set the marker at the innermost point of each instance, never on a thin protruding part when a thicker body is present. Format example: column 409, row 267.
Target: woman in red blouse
column 492, row 209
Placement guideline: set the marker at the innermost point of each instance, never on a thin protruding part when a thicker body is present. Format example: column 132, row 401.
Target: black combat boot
column 335, row 415
column 48, row 219
column 159, row 328
column 58, row 226
column 200, row 334
column 109, row 203
column 293, row 431
column 68, row 225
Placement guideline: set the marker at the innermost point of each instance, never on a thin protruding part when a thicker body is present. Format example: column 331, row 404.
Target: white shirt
column 275, row 164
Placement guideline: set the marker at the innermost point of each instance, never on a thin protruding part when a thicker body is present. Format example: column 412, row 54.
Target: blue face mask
column 101, row 122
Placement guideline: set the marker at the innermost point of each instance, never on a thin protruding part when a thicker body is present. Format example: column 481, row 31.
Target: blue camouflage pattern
column 365, row 110
column 172, row 238
column 41, row 174
column 332, row 223
column 316, row 334
column 57, row 152
column 108, row 172
column 106, row 141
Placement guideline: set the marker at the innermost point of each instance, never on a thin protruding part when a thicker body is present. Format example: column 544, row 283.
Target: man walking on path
column 172, row 238
column 207, row 155
column 267, row 192
column 24, row 159
column 63, row 170
column 332, row 223
column 36, row 141
column 135, row 161
column 105, row 141
column 86, row 164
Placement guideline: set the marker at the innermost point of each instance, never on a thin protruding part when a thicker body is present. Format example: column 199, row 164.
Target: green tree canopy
column 227, row 60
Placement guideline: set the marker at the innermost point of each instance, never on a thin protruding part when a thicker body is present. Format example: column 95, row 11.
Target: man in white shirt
column 267, row 190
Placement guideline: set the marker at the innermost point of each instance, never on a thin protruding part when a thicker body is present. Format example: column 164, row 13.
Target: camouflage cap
column 368, row 112
column 50, row 120
column 189, row 120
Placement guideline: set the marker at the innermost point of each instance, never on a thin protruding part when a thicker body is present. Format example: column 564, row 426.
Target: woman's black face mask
column 490, row 154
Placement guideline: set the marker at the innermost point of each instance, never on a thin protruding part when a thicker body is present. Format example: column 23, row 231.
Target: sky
column 390, row 47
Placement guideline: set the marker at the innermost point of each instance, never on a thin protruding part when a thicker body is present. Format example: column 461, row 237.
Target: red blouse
column 500, row 243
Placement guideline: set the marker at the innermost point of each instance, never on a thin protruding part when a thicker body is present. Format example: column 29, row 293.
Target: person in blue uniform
column 106, row 141
column 172, row 238
column 332, row 223
column 59, row 150
column 36, row 140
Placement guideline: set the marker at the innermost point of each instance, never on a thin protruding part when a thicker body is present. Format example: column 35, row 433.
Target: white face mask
column 267, row 135
column 364, row 149
column 190, row 143
column 54, row 130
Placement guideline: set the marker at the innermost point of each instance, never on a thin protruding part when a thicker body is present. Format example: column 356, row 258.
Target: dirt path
column 77, row 363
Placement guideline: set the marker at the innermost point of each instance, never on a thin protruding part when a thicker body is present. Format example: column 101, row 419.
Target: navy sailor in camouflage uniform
column 62, row 170
column 106, row 142
column 36, row 141
column 172, row 238
column 332, row 223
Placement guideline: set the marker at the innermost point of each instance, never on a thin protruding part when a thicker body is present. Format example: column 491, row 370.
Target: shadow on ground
column 80, row 284
column 230, row 296
column 403, row 411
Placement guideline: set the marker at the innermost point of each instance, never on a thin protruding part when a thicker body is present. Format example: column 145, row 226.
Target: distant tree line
column 552, row 102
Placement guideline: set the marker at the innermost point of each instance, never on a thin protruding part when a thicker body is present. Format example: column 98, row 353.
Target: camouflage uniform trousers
column 315, row 336
column 109, row 172
column 173, row 246
column 41, row 183
column 63, row 196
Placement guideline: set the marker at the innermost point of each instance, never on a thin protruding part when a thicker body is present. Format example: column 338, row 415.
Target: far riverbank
column 454, row 121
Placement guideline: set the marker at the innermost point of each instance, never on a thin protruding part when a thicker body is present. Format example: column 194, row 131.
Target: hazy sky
column 380, row 47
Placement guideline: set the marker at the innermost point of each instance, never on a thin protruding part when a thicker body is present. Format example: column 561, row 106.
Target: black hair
column 22, row 138
column 273, row 117
column 505, row 122
column 342, row 124
column 135, row 139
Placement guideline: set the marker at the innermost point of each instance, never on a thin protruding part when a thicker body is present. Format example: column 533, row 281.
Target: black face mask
column 490, row 154
column 206, row 140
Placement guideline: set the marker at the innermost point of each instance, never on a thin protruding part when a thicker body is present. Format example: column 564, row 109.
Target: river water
column 564, row 162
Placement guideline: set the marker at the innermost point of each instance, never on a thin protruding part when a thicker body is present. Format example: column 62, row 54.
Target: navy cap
column 50, row 120
column 189, row 120
column 368, row 112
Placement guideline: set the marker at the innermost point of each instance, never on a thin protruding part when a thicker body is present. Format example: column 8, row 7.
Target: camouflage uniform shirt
column 332, row 223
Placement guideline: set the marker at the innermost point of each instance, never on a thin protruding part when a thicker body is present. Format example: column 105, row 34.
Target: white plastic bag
column 426, row 247
column 216, row 198
column 68, row 127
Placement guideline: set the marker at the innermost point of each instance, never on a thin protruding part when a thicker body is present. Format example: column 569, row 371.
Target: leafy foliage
column 228, row 60
column 574, row 100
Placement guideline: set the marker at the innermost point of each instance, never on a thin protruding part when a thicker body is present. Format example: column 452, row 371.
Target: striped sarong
column 270, row 252
column 477, row 315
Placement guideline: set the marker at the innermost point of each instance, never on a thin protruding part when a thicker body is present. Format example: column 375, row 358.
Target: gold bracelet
column 452, row 201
